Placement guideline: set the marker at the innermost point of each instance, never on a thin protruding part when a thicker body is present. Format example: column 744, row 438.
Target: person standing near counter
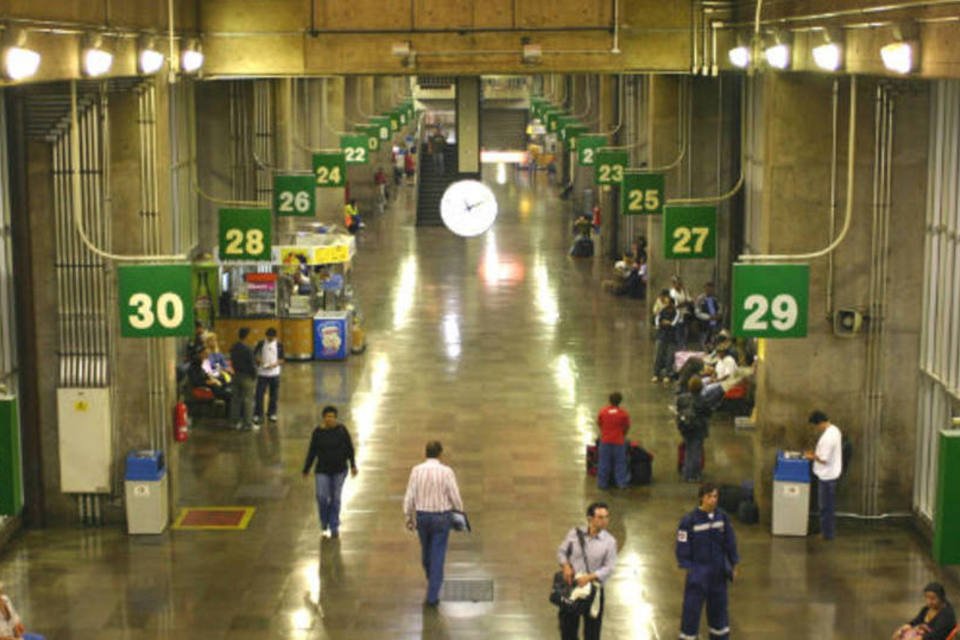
column 269, row 357
column 244, row 381
column 827, row 466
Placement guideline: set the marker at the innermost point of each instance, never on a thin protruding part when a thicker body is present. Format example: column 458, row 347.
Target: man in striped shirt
column 431, row 493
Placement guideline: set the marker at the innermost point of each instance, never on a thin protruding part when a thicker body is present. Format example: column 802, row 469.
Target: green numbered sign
column 356, row 149
column 553, row 120
column 155, row 300
column 383, row 126
column 294, row 196
column 372, row 133
column 770, row 300
column 393, row 120
column 610, row 166
column 587, row 146
column 401, row 114
column 245, row 234
column 689, row 232
column 330, row 169
column 410, row 111
column 642, row 193
column 570, row 132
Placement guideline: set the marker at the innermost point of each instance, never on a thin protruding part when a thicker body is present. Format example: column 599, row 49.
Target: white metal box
column 84, row 425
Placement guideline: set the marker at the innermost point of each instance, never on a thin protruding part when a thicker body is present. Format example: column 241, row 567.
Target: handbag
column 560, row 591
column 459, row 521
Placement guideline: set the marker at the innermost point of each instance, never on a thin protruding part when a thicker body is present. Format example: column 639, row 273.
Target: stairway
column 432, row 184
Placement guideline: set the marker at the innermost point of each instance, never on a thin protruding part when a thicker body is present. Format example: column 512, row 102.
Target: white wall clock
column 468, row 207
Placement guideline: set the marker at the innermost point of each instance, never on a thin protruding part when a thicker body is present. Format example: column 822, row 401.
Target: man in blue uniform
column 707, row 549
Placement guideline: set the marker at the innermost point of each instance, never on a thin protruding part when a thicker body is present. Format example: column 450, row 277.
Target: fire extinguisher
column 181, row 422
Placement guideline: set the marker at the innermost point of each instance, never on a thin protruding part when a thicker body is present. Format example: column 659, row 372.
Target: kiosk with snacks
column 304, row 278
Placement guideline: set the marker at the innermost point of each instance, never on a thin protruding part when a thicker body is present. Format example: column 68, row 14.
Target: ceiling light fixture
column 150, row 59
column 95, row 59
column 20, row 63
column 191, row 57
column 739, row 55
column 829, row 54
column 900, row 56
column 777, row 53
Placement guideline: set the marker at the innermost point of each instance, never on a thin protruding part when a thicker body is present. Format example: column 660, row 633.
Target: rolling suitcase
column 640, row 462
column 592, row 457
column 682, row 455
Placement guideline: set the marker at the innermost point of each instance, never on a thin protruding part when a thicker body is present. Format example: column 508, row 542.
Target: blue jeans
column 693, row 452
column 433, row 527
column 615, row 456
column 329, row 488
column 827, row 497
column 263, row 383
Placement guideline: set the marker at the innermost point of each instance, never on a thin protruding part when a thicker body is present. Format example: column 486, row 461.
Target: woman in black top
column 935, row 621
column 332, row 449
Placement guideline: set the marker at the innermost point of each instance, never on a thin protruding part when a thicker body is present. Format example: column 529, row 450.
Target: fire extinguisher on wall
column 181, row 422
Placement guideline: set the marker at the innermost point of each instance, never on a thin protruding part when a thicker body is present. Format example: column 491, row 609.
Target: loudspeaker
column 847, row 322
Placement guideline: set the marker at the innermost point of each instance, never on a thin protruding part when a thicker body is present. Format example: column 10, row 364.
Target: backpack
column 846, row 453
column 687, row 418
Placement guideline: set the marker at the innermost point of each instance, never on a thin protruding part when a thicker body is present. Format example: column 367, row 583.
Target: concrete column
column 360, row 103
column 328, row 120
column 606, row 100
column 468, row 124
column 664, row 138
column 796, row 376
column 214, row 175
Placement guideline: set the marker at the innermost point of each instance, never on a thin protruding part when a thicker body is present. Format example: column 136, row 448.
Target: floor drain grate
column 467, row 591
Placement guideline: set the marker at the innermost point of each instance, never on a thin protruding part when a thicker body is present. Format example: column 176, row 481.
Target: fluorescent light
column 191, row 60
column 827, row 56
column 151, row 61
column 20, row 63
column 740, row 56
column 778, row 56
column 898, row 57
column 96, row 62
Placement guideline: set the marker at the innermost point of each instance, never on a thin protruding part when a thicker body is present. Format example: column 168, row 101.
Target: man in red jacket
column 614, row 424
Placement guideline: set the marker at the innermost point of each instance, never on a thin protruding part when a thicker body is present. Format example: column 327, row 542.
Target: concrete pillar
column 214, row 175
column 360, row 103
column 796, row 376
column 664, row 138
column 468, row 125
column 606, row 100
column 329, row 120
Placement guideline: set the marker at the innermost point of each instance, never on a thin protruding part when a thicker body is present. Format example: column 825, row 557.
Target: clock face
column 468, row 207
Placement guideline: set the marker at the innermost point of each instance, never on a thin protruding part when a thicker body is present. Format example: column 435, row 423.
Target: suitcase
column 640, row 462
column 592, row 457
column 682, row 455
column 747, row 512
column 730, row 497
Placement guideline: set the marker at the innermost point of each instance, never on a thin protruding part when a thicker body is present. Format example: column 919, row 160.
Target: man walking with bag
column 432, row 493
column 587, row 558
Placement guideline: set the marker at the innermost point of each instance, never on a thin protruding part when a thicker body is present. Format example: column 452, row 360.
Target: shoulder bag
column 560, row 591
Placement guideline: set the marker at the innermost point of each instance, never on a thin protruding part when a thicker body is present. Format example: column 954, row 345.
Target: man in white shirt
column 269, row 356
column 827, row 465
column 432, row 493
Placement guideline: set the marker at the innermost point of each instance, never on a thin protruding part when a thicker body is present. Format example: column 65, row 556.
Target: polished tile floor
column 504, row 348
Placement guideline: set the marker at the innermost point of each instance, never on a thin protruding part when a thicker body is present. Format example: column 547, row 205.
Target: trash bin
column 146, row 492
column 791, row 494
